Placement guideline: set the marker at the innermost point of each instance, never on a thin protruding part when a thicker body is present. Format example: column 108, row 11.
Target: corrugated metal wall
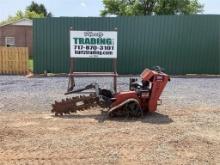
column 180, row 44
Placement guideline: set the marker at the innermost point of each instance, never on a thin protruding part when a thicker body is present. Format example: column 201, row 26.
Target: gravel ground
column 184, row 130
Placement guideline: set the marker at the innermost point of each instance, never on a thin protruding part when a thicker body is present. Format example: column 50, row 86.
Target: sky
column 82, row 8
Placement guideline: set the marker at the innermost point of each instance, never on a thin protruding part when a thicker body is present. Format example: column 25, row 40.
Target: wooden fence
column 13, row 60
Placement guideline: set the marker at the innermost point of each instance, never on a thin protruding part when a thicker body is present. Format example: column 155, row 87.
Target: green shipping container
column 180, row 44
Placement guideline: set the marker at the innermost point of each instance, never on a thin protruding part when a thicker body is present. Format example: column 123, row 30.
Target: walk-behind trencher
column 143, row 94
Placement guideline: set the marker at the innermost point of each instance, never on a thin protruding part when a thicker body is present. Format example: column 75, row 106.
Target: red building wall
column 22, row 34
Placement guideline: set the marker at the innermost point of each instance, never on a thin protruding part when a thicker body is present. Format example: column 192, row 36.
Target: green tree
column 32, row 11
column 151, row 7
column 20, row 14
column 172, row 7
column 39, row 9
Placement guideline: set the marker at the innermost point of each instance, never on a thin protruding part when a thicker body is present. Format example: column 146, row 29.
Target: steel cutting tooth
column 69, row 104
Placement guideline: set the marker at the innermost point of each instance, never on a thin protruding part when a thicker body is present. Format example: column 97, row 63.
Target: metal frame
column 72, row 73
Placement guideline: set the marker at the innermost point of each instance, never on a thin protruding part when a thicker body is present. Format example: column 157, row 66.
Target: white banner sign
column 93, row 44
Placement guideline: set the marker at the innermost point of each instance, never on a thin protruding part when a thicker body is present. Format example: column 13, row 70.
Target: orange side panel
column 123, row 96
column 158, row 86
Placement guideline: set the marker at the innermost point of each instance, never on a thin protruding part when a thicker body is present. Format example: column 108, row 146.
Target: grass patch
column 30, row 64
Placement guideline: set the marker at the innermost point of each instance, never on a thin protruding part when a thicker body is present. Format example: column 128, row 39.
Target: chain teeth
column 74, row 104
column 81, row 103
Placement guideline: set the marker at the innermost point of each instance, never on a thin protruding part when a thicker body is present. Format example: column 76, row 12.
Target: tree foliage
column 39, row 9
column 32, row 11
column 151, row 7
